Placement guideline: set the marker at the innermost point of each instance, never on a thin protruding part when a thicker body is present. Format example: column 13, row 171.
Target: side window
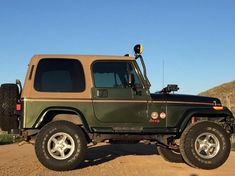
column 113, row 74
column 59, row 75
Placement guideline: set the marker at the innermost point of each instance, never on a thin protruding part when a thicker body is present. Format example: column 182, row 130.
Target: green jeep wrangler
column 69, row 101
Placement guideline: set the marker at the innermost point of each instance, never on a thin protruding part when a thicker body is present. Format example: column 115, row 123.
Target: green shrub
column 9, row 138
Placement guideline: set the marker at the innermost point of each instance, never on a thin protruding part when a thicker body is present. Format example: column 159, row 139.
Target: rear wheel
column 205, row 145
column 170, row 155
column 61, row 146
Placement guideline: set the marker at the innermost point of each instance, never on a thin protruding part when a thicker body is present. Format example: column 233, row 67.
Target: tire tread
column 185, row 145
column 51, row 163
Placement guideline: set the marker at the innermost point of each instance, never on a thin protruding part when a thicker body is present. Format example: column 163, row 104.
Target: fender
column 44, row 113
column 203, row 112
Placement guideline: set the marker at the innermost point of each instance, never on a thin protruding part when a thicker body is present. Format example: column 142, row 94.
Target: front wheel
column 205, row 145
column 60, row 146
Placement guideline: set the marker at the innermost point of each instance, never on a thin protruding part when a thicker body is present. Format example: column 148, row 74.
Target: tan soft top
column 83, row 58
column 86, row 61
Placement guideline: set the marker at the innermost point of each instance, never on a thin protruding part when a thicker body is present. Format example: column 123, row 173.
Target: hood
column 189, row 99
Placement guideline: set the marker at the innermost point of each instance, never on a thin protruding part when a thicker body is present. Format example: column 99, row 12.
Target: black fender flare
column 203, row 112
column 41, row 117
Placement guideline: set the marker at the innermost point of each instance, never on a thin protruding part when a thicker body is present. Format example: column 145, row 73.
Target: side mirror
column 138, row 49
column 131, row 80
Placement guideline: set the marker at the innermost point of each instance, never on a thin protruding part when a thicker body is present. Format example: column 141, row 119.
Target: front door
column 116, row 102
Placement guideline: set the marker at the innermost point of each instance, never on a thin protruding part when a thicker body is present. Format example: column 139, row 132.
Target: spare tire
column 9, row 123
column 5, row 123
column 10, row 96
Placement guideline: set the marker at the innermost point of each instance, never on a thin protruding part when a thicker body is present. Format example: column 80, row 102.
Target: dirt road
column 106, row 160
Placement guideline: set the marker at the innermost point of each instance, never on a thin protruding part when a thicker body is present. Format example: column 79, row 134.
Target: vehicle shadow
column 103, row 153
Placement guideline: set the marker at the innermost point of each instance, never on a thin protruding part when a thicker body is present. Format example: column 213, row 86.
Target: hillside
column 225, row 92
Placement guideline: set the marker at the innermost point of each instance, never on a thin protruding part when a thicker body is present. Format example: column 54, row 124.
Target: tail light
column 18, row 107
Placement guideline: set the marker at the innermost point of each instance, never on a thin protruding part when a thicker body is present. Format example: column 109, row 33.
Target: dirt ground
column 106, row 160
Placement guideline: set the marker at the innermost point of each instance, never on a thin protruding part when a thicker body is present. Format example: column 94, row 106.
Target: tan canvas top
column 82, row 58
column 86, row 61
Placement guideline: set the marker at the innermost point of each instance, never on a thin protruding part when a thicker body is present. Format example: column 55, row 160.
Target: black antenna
column 163, row 73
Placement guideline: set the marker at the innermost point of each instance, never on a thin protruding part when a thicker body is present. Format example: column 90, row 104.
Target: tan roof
column 82, row 57
column 86, row 61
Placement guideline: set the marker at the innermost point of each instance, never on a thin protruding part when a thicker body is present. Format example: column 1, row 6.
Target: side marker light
column 218, row 108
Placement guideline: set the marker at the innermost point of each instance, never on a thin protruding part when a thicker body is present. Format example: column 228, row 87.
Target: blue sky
column 194, row 38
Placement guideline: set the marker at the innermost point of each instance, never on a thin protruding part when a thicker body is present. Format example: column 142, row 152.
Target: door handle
column 102, row 93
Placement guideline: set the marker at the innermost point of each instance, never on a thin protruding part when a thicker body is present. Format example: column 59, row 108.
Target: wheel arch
column 61, row 113
column 205, row 114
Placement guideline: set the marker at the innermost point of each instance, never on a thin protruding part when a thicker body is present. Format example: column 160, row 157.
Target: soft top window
column 59, row 75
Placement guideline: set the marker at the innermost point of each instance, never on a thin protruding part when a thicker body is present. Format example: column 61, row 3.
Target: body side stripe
column 112, row 101
column 183, row 102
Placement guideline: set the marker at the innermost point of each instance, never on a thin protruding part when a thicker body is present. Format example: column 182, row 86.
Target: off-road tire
column 169, row 155
column 10, row 96
column 75, row 137
column 205, row 145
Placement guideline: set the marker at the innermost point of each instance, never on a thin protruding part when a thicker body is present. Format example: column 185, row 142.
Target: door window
column 111, row 74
